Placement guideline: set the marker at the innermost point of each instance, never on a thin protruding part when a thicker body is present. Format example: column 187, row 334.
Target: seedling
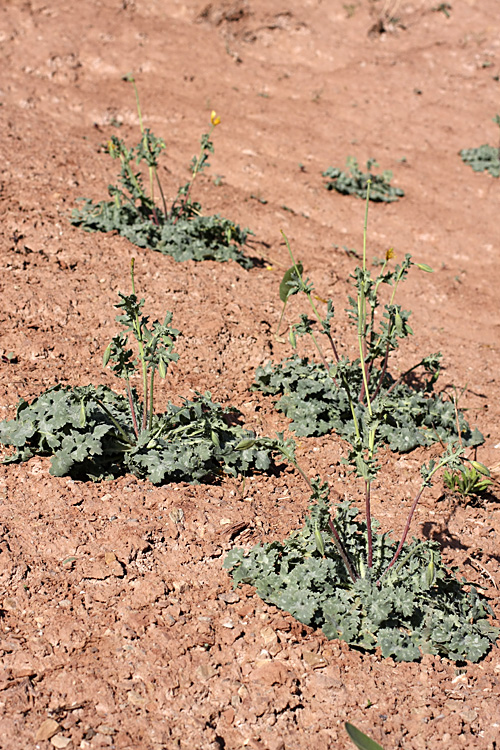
column 355, row 182
column 485, row 158
column 98, row 434
column 178, row 229
column 343, row 574
column 469, row 482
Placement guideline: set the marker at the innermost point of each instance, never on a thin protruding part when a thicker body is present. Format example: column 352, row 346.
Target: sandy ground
column 117, row 620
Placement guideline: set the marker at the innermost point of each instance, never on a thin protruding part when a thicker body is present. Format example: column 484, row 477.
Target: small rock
column 268, row 636
column 105, row 729
column 46, row 730
column 59, row 741
column 206, row 671
column 315, row 661
column 231, row 597
column 135, row 699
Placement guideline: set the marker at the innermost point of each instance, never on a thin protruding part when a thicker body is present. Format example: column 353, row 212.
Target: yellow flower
column 214, row 118
column 390, row 253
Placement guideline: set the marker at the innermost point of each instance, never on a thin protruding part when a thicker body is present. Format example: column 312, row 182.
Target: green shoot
column 155, row 349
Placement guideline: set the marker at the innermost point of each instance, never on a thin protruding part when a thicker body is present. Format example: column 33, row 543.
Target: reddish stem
column 369, row 524
column 341, row 551
column 405, row 533
column 132, row 409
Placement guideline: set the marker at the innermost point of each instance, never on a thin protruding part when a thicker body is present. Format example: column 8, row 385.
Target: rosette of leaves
column 355, row 182
column 179, row 230
column 96, row 433
column 89, row 432
column 485, row 158
column 414, row 607
column 410, row 417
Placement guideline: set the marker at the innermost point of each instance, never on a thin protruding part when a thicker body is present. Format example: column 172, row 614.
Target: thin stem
column 138, row 104
column 363, row 354
column 383, row 371
column 403, row 376
column 365, row 225
column 164, row 202
column 132, row 407
column 144, row 367
column 131, row 175
column 118, row 426
column 152, row 169
column 151, row 386
column 336, row 537
column 314, row 309
column 196, row 169
column 369, row 523
column 281, row 319
column 341, row 551
column 424, row 484
column 405, row 532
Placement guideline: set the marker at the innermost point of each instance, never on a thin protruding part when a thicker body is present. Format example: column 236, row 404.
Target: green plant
column 360, row 739
column 331, row 395
column 443, row 8
column 484, row 158
column 320, row 575
column 470, row 481
column 355, row 182
column 178, row 229
column 342, row 574
column 93, row 432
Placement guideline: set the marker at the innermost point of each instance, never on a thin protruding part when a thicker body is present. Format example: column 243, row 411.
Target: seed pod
column 292, row 338
column 245, row 444
column 83, row 414
column 429, row 574
column 480, row 468
column 162, row 368
column 107, row 355
column 320, row 545
column 424, row 267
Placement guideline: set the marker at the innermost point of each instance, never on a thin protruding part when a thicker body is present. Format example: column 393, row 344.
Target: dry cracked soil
column 119, row 626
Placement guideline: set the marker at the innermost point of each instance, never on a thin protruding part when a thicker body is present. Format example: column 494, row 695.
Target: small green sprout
column 470, row 481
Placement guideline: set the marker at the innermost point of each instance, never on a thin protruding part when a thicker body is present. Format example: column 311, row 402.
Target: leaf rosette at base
column 316, row 405
column 79, row 428
column 420, row 608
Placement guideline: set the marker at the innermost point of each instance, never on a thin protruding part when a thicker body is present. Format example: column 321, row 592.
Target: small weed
column 355, row 182
column 443, row 8
column 342, row 574
column 95, row 433
column 350, row 9
column 178, row 229
column 469, row 482
column 484, row 158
